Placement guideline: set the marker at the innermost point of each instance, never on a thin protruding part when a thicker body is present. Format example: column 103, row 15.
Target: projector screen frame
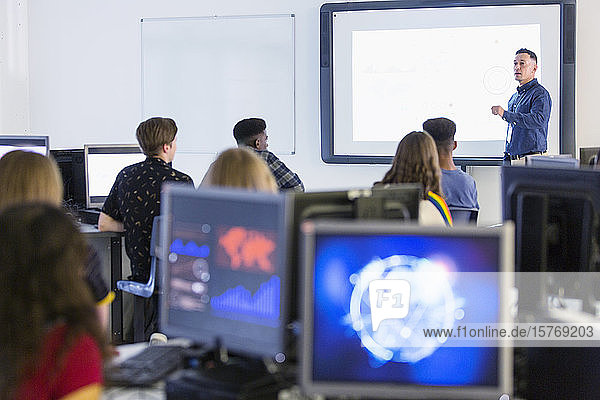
column 566, row 64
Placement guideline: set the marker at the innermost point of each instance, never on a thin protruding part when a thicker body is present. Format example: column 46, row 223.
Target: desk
column 109, row 244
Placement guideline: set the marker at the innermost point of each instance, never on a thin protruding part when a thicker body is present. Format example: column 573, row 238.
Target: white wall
column 14, row 73
column 84, row 76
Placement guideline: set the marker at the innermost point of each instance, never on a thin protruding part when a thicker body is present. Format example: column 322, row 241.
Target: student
column 30, row 177
column 240, row 168
column 251, row 132
column 134, row 200
column 416, row 161
column 52, row 345
column 459, row 188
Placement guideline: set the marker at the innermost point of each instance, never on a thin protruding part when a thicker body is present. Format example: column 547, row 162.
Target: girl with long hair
column 52, row 345
column 416, row 161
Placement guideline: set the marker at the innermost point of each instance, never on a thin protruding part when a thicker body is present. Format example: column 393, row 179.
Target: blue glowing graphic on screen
column 348, row 336
column 262, row 305
column 190, row 249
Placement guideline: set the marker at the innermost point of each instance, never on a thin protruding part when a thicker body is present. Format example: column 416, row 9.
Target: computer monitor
column 556, row 214
column 587, row 156
column 226, row 271
column 102, row 164
column 398, row 202
column 36, row 144
column 372, row 287
column 71, row 163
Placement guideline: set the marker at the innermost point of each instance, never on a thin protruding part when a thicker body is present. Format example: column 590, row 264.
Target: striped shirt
column 439, row 203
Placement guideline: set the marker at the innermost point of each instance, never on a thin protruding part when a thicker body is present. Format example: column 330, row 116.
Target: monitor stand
column 219, row 375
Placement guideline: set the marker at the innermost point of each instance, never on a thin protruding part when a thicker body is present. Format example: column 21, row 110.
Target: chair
column 464, row 216
column 141, row 290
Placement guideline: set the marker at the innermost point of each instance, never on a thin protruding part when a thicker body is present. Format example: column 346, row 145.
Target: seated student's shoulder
column 181, row 177
column 266, row 155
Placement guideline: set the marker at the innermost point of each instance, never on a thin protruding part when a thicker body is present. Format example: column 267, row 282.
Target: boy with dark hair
column 134, row 199
column 251, row 132
column 459, row 188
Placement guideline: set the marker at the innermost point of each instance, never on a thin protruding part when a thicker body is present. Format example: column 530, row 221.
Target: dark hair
column 153, row 133
column 526, row 51
column 442, row 130
column 42, row 283
column 416, row 161
column 246, row 130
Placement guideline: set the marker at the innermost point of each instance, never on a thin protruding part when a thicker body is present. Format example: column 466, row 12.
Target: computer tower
column 72, row 168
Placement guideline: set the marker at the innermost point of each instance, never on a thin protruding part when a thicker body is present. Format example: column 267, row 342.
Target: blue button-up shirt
column 528, row 114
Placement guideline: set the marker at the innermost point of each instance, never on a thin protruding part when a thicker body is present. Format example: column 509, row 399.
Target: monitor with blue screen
column 371, row 287
column 226, row 271
column 36, row 144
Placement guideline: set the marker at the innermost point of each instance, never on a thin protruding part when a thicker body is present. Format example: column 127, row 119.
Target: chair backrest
column 464, row 216
column 154, row 242
column 148, row 288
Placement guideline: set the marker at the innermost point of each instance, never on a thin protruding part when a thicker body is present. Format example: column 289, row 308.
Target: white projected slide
column 104, row 168
column 385, row 80
column 394, row 69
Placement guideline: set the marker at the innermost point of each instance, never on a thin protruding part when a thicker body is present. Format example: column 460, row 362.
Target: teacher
column 528, row 111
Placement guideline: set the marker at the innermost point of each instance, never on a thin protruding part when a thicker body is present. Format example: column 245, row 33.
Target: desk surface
column 93, row 230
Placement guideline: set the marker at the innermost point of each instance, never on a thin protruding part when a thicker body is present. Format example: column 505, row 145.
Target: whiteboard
column 207, row 73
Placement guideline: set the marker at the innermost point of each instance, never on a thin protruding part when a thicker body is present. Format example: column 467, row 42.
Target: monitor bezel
column 98, row 201
column 45, row 139
column 241, row 347
column 567, row 65
column 311, row 229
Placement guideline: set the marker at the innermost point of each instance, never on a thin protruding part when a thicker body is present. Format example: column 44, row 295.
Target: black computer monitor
column 36, row 144
column 398, row 202
column 226, row 271
column 71, row 163
column 372, row 287
column 102, row 164
column 587, row 156
column 391, row 202
column 556, row 214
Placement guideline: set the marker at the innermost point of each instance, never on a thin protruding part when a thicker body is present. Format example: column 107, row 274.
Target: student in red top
column 52, row 345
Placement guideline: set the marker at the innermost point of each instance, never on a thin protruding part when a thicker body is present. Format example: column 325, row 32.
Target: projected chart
column 262, row 305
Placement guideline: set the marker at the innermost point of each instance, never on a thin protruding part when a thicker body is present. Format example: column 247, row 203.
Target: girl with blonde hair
column 241, row 168
column 27, row 176
column 30, row 177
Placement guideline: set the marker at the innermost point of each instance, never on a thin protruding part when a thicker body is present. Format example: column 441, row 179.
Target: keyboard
column 151, row 365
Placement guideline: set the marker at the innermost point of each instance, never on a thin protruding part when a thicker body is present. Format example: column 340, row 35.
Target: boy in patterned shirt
column 251, row 132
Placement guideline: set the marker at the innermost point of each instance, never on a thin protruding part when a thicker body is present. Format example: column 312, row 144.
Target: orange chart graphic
column 248, row 249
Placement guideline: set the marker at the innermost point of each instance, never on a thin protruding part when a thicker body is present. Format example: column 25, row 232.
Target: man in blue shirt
column 528, row 111
column 459, row 188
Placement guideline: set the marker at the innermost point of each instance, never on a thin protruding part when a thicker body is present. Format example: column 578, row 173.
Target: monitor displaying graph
column 225, row 270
